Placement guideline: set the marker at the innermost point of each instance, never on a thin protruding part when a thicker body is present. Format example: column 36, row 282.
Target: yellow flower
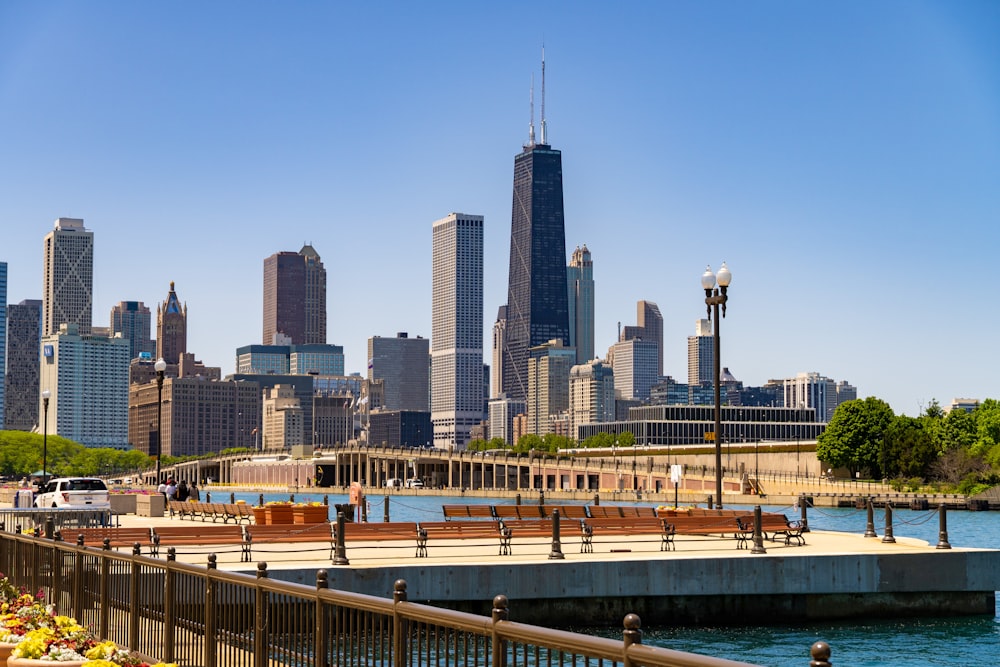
column 101, row 652
column 99, row 663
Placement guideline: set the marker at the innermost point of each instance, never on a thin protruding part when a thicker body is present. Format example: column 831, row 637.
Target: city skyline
column 842, row 160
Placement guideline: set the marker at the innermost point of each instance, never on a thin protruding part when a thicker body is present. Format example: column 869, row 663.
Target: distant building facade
column 68, row 277
column 290, row 359
column 456, row 343
column 591, row 394
column 3, row 340
column 548, row 384
column 295, row 297
column 701, row 351
column 635, row 368
column 503, row 411
column 88, row 379
column 284, row 425
column 133, row 320
column 402, row 363
column 400, row 428
column 199, row 416
column 649, row 327
column 822, row 394
column 499, row 336
column 580, row 281
column 24, row 322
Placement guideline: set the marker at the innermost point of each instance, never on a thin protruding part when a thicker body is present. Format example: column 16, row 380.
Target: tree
column 626, row 439
column 527, row 443
column 855, row 435
column 599, row 440
column 909, row 449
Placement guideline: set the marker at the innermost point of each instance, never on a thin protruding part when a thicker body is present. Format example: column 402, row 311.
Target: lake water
column 951, row 642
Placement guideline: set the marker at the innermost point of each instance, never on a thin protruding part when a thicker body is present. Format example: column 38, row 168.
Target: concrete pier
column 705, row 580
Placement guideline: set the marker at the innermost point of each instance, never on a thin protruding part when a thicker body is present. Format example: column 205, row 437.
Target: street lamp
column 715, row 297
column 46, row 394
column 160, row 366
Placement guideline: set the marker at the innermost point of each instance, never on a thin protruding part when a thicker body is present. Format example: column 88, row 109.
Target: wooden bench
column 517, row 511
column 775, row 524
column 460, row 530
column 468, row 512
column 575, row 512
column 375, row 532
column 640, row 512
column 117, row 537
column 604, row 511
column 629, row 526
column 174, row 536
column 289, row 533
column 238, row 512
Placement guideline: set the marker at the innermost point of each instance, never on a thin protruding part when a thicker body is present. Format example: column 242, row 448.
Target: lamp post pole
column 46, row 394
column 160, row 367
column 715, row 297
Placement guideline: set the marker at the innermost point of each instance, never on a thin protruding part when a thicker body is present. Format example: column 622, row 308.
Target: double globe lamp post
column 160, row 366
column 46, row 394
column 716, row 296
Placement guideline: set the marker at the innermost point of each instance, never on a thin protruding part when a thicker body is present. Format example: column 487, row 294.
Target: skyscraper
column 591, row 394
column 457, row 329
column 649, row 327
column 402, row 364
column 133, row 321
column 88, row 378
column 537, row 307
column 68, row 277
column 171, row 328
column 580, row 279
column 24, row 321
column 3, row 339
column 295, row 297
column 499, row 336
column 634, row 368
column 701, row 347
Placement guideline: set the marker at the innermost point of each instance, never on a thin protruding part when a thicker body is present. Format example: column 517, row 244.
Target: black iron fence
column 200, row 616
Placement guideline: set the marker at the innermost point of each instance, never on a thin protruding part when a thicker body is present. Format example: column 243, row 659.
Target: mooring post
column 943, row 528
column 709, row 501
column 803, row 514
column 50, row 527
column 232, row 498
column 340, row 557
column 556, row 553
column 758, row 534
column 597, row 499
column 820, row 653
column 260, row 500
column 631, row 635
column 385, row 510
column 887, row 537
column 870, row 526
column 517, row 499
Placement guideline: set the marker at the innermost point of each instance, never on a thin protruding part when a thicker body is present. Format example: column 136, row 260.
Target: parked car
column 74, row 493
column 414, row 483
column 393, row 483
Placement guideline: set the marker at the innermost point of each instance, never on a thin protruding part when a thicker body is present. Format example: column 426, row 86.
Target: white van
column 415, row 483
column 393, row 483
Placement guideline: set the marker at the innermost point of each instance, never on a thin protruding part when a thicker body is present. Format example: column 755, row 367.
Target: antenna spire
column 531, row 125
column 544, row 142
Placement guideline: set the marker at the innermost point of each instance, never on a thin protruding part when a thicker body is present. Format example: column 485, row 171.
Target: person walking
column 171, row 489
column 193, row 492
column 182, row 491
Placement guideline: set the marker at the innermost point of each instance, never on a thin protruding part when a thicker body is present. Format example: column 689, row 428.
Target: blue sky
column 843, row 158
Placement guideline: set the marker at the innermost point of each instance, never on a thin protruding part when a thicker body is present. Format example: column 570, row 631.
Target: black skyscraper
column 537, row 301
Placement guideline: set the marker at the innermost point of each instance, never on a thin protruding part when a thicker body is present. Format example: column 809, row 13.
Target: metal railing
column 202, row 617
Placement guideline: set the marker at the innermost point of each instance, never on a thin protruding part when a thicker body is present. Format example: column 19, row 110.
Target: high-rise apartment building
column 283, row 418
column 87, row 376
column 295, row 297
column 580, row 281
column 3, row 340
column 171, row 328
column 537, row 303
column 133, row 321
column 68, row 277
column 701, row 350
column 499, row 335
column 290, row 359
column 591, row 394
column 456, row 329
column 24, row 326
column 402, row 364
column 548, row 384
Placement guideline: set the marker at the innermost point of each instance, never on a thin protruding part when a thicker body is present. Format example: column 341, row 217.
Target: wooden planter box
column 260, row 516
column 311, row 514
column 278, row 514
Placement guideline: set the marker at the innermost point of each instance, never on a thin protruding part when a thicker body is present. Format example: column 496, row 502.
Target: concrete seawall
column 734, row 589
